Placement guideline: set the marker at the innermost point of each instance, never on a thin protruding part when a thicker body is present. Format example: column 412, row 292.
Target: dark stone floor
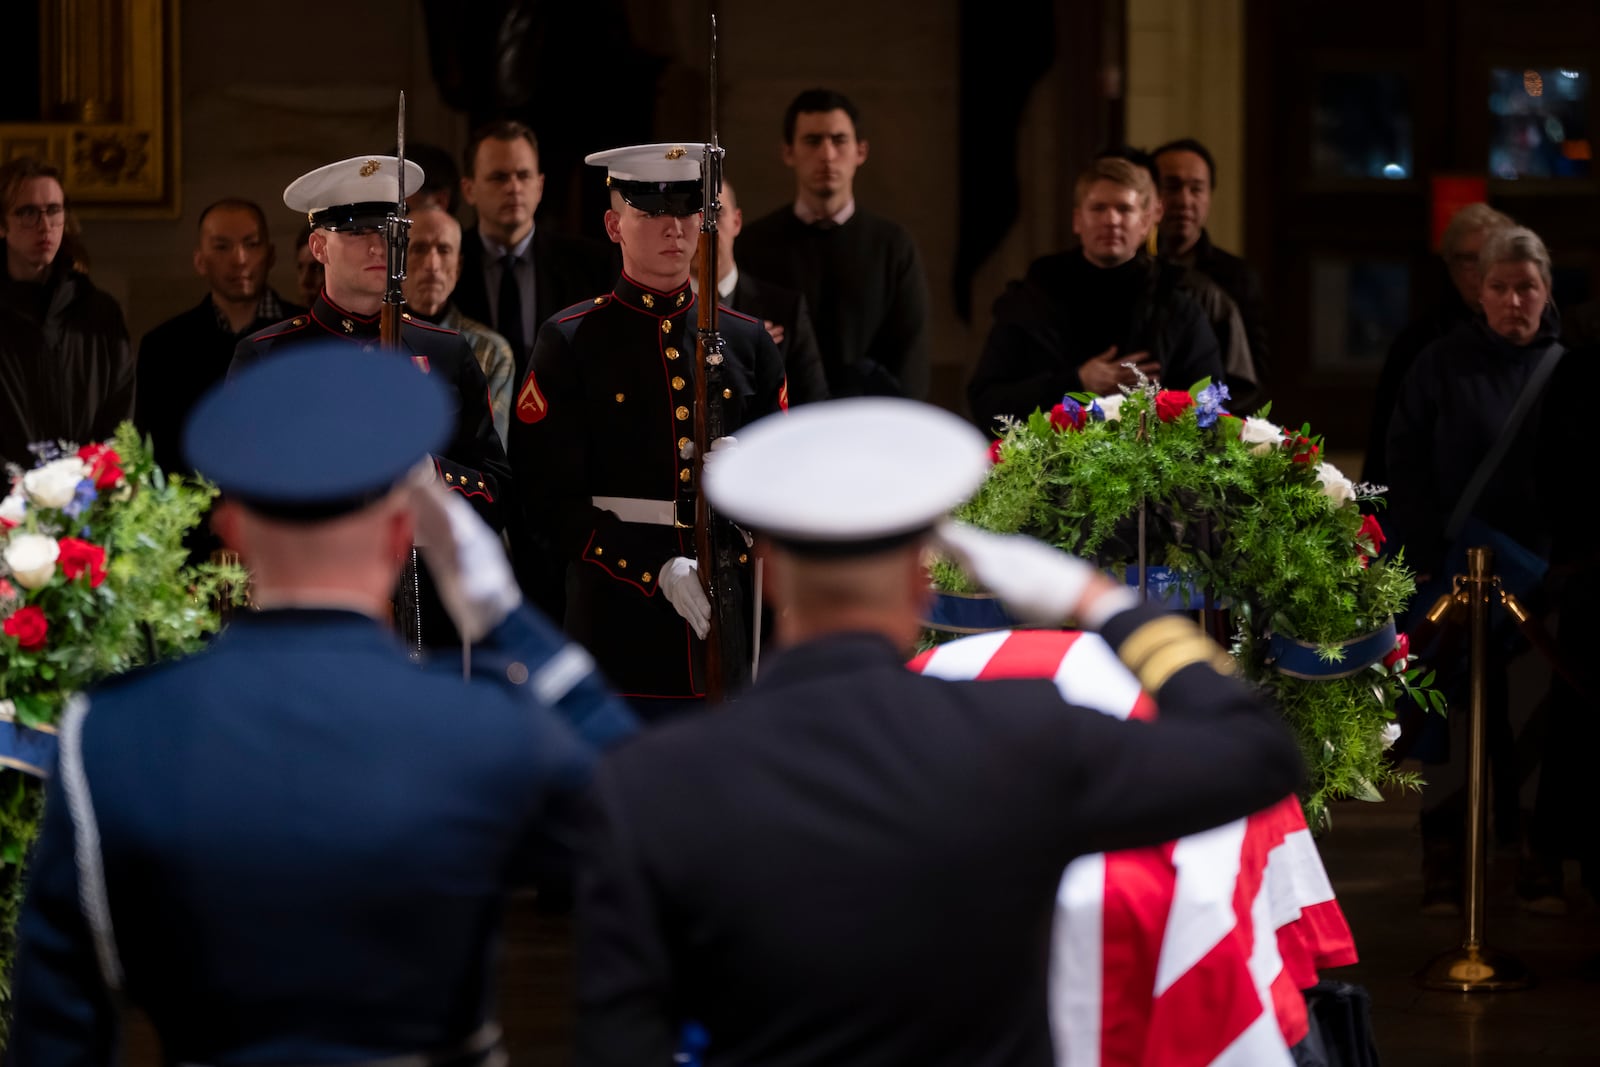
column 1371, row 857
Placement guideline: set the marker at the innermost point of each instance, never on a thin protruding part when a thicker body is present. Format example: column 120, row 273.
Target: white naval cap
column 848, row 477
column 662, row 179
column 356, row 192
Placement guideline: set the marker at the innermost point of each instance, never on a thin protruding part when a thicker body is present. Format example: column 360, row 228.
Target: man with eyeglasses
column 66, row 367
column 346, row 204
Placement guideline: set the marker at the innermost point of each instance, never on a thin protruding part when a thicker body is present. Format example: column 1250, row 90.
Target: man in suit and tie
column 857, row 864
column 514, row 274
column 782, row 311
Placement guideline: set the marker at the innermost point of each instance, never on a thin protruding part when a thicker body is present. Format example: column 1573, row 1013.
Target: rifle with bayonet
column 718, row 545
column 397, row 237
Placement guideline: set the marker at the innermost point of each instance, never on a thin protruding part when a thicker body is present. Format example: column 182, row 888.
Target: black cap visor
column 678, row 199
column 370, row 215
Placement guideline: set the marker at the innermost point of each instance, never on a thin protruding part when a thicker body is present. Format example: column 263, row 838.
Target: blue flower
column 1208, row 404
column 1096, row 412
column 81, row 499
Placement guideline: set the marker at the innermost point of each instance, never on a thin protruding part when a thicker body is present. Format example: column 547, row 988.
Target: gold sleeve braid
column 1163, row 647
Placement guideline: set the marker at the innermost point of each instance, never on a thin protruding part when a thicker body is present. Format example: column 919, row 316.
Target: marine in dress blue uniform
column 350, row 199
column 294, row 847
column 603, row 426
column 858, row 864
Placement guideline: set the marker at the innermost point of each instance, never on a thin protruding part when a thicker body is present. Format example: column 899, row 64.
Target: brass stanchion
column 1473, row 967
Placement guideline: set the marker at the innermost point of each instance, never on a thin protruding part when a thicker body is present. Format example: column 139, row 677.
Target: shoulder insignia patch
column 422, row 363
column 531, row 404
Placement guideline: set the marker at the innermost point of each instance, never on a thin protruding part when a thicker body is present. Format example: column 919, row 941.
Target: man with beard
column 189, row 353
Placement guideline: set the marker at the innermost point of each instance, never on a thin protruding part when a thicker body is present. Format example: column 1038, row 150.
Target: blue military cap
column 318, row 432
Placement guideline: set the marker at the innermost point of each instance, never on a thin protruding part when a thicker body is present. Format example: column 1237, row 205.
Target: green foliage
column 1245, row 513
column 151, row 605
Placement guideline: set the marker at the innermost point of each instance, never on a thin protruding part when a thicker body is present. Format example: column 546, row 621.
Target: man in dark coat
column 1080, row 315
column 186, row 355
column 66, row 367
column 857, row 864
column 547, row 271
column 1188, row 176
column 347, row 238
column 296, row 846
column 602, row 436
column 861, row 274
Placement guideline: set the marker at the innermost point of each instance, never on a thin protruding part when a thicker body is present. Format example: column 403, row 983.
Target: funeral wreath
column 1242, row 519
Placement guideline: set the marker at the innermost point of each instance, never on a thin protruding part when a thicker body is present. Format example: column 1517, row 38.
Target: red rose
column 1065, row 418
column 28, row 626
column 79, row 556
column 994, row 452
column 1302, row 447
column 1401, row 653
column 7, row 590
column 105, row 466
column 1370, row 536
column 1170, row 403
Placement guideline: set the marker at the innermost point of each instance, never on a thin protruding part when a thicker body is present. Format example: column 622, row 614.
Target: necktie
column 510, row 324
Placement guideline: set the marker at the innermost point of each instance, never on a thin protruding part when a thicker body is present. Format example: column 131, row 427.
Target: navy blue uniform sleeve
column 625, row 1017
column 562, row 675
column 62, row 1015
column 1217, row 752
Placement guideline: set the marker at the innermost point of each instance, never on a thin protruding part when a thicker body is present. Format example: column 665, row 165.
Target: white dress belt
column 635, row 509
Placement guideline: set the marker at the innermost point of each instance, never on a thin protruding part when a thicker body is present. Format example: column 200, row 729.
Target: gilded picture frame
column 109, row 74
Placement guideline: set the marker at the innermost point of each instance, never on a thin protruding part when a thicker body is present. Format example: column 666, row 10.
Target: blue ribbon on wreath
column 1300, row 659
column 25, row 749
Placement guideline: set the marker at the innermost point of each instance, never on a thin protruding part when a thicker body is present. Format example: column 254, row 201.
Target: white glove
column 722, row 445
column 1035, row 582
column 466, row 559
column 680, row 584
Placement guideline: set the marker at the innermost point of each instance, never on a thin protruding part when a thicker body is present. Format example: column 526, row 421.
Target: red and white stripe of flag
column 1188, row 954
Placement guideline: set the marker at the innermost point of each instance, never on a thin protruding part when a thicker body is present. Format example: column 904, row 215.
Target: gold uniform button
column 666, row 325
column 517, row 673
column 599, row 300
column 683, row 443
column 743, row 558
column 449, row 477
column 599, row 551
column 684, row 475
column 678, row 383
column 672, row 353
column 649, row 301
column 681, row 298
column 619, row 398
column 682, row 413
column 645, row 577
column 406, row 315
column 622, row 564
column 298, row 322
column 727, row 394
column 480, row 485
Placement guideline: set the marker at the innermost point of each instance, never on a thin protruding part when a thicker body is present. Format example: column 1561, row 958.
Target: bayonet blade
column 400, row 152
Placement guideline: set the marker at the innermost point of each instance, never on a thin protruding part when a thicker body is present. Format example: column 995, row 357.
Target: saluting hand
column 1102, row 374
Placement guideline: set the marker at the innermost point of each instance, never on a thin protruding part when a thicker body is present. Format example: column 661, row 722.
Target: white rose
column 1264, row 435
column 1390, row 733
column 54, row 484
column 13, row 507
column 1335, row 485
column 1112, row 406
column 8, row 711
column 32, row 559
